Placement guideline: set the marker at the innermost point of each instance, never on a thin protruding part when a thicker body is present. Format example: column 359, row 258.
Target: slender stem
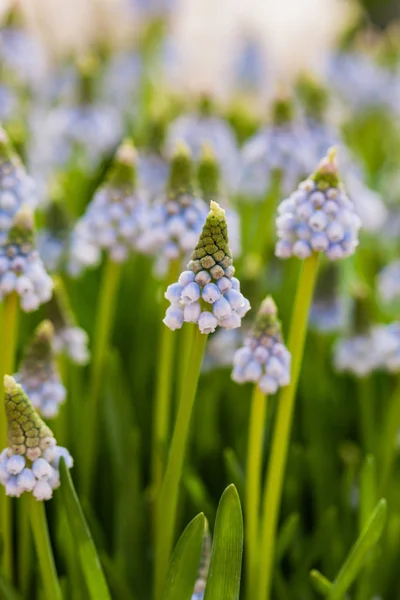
column 43, row 548
column 166, row 517
column 9, row 333
column 162, row 405
column 367, row 418
column 102, row 332
column 389, row 438
column 281, row 435
column 24, row 554
column 185, row 345
column 253, row 485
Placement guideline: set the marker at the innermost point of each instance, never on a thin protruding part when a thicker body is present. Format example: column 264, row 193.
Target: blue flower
column 207, row 293
column 263, row 359
column 318, row 217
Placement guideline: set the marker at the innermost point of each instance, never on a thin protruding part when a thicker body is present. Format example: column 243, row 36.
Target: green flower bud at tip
column 208, row 172
column 327, row 173
column 181, row 170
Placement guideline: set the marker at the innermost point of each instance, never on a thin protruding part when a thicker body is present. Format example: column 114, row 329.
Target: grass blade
column 85, row 548
column 226, row 556
column 185, row 561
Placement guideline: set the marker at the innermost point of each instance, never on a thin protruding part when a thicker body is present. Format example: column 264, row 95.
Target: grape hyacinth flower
column 31, row 461
column 387, row 342
column 68, row 337
column 21, row 268
column 389, row 282
column 208, row 282
column 357, row 355
column 264, row 359
column 16, row 187
column 113, row 219
column 318, row 217
column 204, row 128
column 176, row 217
column 38, row 373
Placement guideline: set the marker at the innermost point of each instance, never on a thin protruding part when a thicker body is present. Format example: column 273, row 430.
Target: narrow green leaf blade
column 223, row 580
column 354, row 562
column 7, row 591
column 185, row 561
column 321, row 584
column 85, row 548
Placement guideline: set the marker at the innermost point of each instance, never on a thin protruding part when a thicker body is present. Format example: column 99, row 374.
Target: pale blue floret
column 207, row 322
column 191, row 312
column 190, row 293
column 173, row 293
column 233, row 320
column 252, row 371
column 15, row 464
column 224, row 284
column 211, row 293
column 203, row 278
column 173, row 317
column 186, row 277
column 26, row 480
column 221, row 308
column 41, row 469
column 235, row 299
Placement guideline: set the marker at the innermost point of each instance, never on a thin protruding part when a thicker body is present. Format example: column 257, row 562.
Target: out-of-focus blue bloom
column 152, row 174
column 389, row 282
column 318, row 217
column 113, row 219
column 38, row 373
column 208, row 280
column 327, row 315
column 387, row 339
column 153, row 8
column 221, row 349
column 197, row 130
column 250, row 66
column 358, row 354
column 120, row 83
column 263, row 359
column 16, row 187
column 22, row 56
column 21, row 268
column 8, row 103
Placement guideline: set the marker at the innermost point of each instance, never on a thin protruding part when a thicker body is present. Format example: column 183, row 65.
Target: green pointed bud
column 267, row 322
column 28, row 435
column 205, row 105
column 212, row 252
column 156, row 133
column 327, row 173
column 122, row 173
column 282, row 110
column 208, row 174
column 313, row 96
column 7, row 152
column 40, row 350
column 22, row 230
column 88, row 68
column 57, row 219
column 181, row 171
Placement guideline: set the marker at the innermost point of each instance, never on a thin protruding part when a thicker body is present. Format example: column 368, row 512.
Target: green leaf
column 286, row 536
column 235, row 470
column 7, row 591
column 185, row 561
column 85, row 548
column 355, row 560
column 223, row 580
column 320, row 583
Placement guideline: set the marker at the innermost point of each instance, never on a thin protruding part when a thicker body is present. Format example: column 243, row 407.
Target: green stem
column 43, row 548
column 9, row 336
column 253, row 486
column 162, row 405
column 102, row 332
column 281, row 435
column 25, row 546
column 389, row 438
column 166, row 516
column 367, row 418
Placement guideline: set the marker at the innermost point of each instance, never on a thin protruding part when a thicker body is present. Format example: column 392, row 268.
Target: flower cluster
column 175, row 218
column 31, row 461
column 264, row 359
column 38, row 373
column 21, row 268
column 197, row 130
column 209, row 281
column 113, row 219
column 318, row 217
column 16, row 187
column 389, row 282
column 68, row 337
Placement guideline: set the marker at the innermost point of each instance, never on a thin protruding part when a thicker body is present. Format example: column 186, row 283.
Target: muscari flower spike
column 16, row 187
column 208, row 282
column 264, row 359
column 21, row 268
column 318, row 217
column 112, row 220
column 31, row 461
column 176, row 217
column 68, row 337
column 38, row 374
